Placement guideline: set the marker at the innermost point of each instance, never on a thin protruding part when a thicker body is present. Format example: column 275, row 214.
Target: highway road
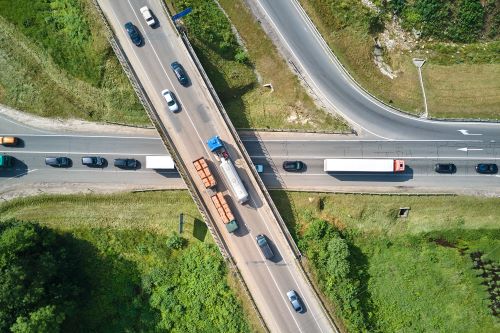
column 197, row 121
column 324, row 74
column 269, row 149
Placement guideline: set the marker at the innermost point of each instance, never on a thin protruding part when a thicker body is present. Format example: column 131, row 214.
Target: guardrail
column 181, row 167
column 153, row 116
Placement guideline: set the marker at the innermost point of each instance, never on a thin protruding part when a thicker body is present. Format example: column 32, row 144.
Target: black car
column 445, row 168
column 59, row 162
column 264, row 246
column 133, row 33
column 293, row 166
column 180, row 73
column 93, row 161
column 487, row 168
column 126, row 163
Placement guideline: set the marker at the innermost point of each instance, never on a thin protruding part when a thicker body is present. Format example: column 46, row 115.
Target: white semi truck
column 217, row 147
column 363, row 165
column 160, row 162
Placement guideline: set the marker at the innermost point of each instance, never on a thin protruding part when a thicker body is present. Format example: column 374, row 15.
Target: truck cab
column 6, row 161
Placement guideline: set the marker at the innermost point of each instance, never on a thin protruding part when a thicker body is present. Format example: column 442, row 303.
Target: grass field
column 140, row 275
column 412, row 274
column 240, row 83
column 461, row 81
column 56, row 62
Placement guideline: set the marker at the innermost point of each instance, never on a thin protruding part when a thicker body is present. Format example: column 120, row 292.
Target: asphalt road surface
column 197, row 121
column 269, row 149
column 316, row 62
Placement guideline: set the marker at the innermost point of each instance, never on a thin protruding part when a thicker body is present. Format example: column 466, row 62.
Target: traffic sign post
column 181, row 222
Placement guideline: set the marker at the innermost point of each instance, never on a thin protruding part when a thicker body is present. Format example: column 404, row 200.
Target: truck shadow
column 18, row 170
column 374, row 177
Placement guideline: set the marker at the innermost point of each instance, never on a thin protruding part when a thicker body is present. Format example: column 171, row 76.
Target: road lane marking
column 14, row 152
column 88, row 136
column 466, row 132
column 466, row 149
column 437, row 158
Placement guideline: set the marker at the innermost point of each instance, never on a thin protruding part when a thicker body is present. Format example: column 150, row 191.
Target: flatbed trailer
column 224, row 211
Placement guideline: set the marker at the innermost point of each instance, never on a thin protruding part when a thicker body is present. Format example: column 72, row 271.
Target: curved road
column 328, row 79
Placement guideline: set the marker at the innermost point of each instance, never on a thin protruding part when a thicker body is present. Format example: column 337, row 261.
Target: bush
column 330, row 256
column 208, row 23
column 192, row 295
column 175, row 241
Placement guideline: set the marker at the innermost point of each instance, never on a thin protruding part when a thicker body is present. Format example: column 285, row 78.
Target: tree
column 38, row 278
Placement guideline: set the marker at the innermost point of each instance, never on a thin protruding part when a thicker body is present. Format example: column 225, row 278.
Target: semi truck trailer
column 160, row 162
column 363, row 165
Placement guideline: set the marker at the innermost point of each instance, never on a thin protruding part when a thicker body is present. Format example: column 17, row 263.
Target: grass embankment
column 141, row 276
column 387, row 274
column 461, row 80
column 238, row 74
column 57, row 62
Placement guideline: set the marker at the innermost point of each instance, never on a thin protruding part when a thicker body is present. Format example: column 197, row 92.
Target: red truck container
column 224, row 211
column 203, row 171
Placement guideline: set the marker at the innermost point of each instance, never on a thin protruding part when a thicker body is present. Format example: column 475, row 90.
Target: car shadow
column 17, row 170
column 374, row 177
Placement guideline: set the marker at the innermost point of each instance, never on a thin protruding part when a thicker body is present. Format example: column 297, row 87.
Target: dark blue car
column 180, row 73
column 133, row 33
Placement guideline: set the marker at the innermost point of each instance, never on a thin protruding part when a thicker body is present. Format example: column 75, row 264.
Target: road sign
column 181, row 14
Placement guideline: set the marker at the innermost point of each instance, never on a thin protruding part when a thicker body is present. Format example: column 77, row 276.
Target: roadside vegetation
column 124, row 267
column 238, row 72
column 436, row 270
column 57, row 62
column 459, row 39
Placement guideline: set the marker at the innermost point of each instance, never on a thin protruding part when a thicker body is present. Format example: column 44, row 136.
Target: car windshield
column 170, row 103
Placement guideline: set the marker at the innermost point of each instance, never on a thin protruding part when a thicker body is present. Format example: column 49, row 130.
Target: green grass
column 471, row 68
column 247, row 102
column 412, row 274
column 56, row 62
column 136, row 281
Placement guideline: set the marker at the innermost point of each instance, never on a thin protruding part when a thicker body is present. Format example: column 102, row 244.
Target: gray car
column 94, row 161
column 264, row 246
column 58, row 162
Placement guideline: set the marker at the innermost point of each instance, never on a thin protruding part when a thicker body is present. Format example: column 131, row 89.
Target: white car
column 172, row 104
column 148, row 16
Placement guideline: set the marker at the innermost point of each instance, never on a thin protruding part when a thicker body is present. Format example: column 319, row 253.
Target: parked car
column 293, row 166
column 133, row 33
column 487, row 168
column 264, row 246
column 445, row 168
column 171, row 102
column 294, row 299
column 94, row 161
column 259, row 167
column 126, row 163
column 9, row 140
column 59, row 162
column 146, row 13
column 180, row 73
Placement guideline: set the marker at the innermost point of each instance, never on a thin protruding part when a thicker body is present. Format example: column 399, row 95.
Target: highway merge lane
column 198, row 120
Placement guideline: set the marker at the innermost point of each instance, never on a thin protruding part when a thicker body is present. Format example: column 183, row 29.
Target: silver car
column 294, row 299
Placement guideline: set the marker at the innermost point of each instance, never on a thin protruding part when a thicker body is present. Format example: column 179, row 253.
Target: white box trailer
column 158, row 162
column 363, row 165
